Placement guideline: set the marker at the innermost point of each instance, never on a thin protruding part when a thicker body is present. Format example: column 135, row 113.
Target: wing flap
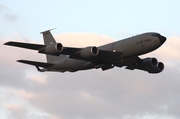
column 25, row 45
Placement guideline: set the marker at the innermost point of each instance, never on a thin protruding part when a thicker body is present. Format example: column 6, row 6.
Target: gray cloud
column 111, row 95
column 116, row 93
column 6, row 13
column 16, row 112
column 3, row 7
column 11, row 17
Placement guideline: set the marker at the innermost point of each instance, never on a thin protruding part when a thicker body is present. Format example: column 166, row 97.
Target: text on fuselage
column 143, row 41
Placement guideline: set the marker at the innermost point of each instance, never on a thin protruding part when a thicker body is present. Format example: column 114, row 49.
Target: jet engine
column 89, row 52
column 159, row 68
column 148, row 63
column 53, row 49
column 151, row 65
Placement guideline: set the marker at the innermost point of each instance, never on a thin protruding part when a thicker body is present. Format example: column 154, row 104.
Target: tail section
column 49, row 39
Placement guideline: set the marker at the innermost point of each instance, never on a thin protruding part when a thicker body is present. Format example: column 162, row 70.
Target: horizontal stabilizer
column 47, row 31
column 40, row 64
column 25, row 45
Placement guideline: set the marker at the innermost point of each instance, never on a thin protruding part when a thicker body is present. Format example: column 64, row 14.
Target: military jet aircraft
column 120, row 53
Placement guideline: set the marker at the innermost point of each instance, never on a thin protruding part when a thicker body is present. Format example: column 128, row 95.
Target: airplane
column 120, row 53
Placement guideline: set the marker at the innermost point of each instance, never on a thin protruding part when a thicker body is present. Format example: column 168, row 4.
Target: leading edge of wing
column 25, row 45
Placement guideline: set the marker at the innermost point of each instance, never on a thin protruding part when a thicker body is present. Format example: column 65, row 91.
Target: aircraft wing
column 25, row 45
column 104, row 56
column 37, row 64
column 34, row 63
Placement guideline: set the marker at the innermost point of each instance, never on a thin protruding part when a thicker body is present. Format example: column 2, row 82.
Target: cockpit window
column 156, row 34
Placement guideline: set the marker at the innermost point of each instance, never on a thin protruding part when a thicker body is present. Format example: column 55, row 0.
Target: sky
column 117, row 93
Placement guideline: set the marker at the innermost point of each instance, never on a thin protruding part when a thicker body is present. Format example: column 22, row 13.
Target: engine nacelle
column 149, row 63
column 53, row 49
column 159, row 68
column 89, row 52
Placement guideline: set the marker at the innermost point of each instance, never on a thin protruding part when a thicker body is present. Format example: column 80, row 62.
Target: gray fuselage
column 133, row 46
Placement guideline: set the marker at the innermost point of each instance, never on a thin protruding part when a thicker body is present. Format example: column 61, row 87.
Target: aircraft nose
column 162, row 39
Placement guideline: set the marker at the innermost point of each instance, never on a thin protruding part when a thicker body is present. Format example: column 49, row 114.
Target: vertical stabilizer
column 49, row 39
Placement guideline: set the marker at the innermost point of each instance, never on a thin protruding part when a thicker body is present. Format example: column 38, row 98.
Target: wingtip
column 21, row 61
column 9, row 43
column 6, row 43
column 18, row 60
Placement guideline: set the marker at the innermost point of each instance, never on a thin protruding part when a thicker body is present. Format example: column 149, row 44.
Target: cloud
column 38, row 79
column 116, row 93
column 5, row 13
column 11, row 17
column 111, row 95
column 3, row 7
column 169, row 50
column 16, row 111
column 74, row 39
column 14, row 107
column 23, row 94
